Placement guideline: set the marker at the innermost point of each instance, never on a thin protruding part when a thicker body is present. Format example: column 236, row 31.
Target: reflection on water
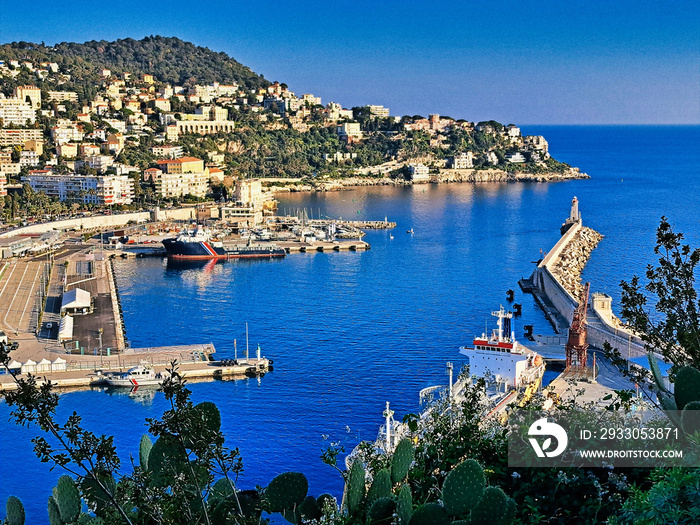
column 350, row 331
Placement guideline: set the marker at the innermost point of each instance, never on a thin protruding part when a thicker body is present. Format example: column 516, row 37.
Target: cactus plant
column 286, row 491
column 67, row 498
column 54, row 513
column 355, row 487
column 309, row 509
column 381, row 512
column 380, row 488
column 687, row 387
column 430, row 514
column 509, row 515
column 401, row 460
column 166, row 460
column 690, row 417
column 491, row 507
column 655, row 371
column 144, row 450
column 15, row 511
column 463, row 488
column 404, row 504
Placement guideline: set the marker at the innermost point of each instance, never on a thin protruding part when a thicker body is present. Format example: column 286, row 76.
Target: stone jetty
column 573, row 258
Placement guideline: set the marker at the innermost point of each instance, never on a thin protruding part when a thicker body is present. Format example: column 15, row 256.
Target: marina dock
column 195, row 362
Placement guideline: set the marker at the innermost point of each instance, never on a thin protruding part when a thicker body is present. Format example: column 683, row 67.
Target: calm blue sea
column 350, row 331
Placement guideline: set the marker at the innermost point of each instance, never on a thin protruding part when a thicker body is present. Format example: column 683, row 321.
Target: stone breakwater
column 568, row 267
column 445, row 176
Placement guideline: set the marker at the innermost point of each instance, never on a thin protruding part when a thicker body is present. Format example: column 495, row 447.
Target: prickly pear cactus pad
column 144, row 450
column 15, row 511
column 430, row 514
column 401, row 460
column 381, row 486
column 463, row 488
column 355, row 487
column 67, row 499
column 404, row 505
column 492, row 507
column 381, row 512
column 687, row 386
column 286, row 491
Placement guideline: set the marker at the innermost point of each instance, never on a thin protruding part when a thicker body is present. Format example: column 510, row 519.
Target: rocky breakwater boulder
column 568, row 267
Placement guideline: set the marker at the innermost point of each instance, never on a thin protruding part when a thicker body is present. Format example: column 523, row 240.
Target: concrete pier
column 194, row 363
column 555, row 284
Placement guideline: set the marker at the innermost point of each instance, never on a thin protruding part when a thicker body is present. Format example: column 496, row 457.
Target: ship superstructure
column 501, row 358
column 198, row 244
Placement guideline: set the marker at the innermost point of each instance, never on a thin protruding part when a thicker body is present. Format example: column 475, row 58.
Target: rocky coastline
column 445, row 176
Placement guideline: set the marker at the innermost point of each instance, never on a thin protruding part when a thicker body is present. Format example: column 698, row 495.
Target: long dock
column 194, row 363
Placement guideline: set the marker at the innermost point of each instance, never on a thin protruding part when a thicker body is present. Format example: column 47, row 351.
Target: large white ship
column 500, row 359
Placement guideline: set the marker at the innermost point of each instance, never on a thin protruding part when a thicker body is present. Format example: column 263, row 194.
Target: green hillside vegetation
column 168, row 59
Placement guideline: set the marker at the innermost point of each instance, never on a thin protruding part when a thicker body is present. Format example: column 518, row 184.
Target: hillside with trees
column 168, row 59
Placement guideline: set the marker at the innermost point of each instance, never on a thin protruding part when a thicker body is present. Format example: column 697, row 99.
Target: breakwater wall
column 567, row 267
column 547, row 283
column 558, row 278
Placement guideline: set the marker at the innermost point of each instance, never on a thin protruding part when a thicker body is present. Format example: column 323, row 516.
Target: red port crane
column 576, row 346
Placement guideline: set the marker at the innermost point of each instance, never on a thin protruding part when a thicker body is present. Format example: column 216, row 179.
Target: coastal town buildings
column 128, row 122
column 166, row 151
column 418, row 173
column 462, row 161
column 515, row 157
column 350, row 132
column 378, row 111
column 13, row 137
column 90, row 189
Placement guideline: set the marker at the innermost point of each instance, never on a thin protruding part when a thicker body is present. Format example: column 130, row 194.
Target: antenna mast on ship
column 502, row 314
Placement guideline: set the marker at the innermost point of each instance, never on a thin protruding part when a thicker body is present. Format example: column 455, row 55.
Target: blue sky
column 546, row 62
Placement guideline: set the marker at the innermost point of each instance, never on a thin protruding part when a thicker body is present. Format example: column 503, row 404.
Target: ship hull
column 199, row 251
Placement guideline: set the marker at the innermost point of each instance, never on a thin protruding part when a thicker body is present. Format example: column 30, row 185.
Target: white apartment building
column 12, row 137
column 418, row 172
column 181, row 184
column 90, row 189
column 16, row 111
column 463, row 161
column 314, row 101
column 99, row 162
column 10, row 168
column 29, row 93
column 64, row 134
column 3, row 184
column 335, row 111
column 378, row 111
column 28, row 158
column 63, row 96
column 167, row 152
column 350, row 131
column 515, row 158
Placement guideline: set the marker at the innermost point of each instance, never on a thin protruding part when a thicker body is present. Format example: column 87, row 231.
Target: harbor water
column 350, row 331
